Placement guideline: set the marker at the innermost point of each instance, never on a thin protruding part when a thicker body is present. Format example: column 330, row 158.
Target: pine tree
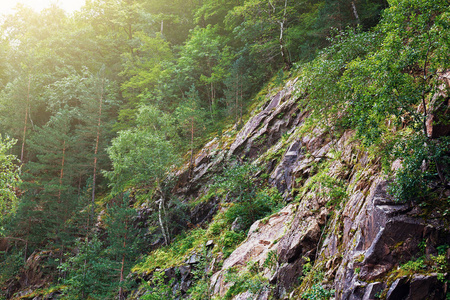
column 88, row 272
column 123, row 239
column 191, row 118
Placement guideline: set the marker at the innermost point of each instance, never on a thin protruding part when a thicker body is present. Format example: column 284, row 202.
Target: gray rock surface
column 356, row 243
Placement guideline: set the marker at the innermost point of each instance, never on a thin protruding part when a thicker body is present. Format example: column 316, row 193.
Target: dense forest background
column 98, row 106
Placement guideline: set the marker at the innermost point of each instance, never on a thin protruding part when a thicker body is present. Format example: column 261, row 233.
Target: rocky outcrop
column 358, row 244
column 265, row 128
column 36, row 274
column 340, row 231
column 376, row 240
column 262, row 239
column 438, row 119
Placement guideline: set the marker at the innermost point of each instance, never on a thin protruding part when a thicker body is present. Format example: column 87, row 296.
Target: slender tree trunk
column 285, row 57
column 161, row 224
column 61, row 175
column 191, row 164
column 424, row 89
column 122, row 268
column 99, row 123
column 236, row 107
column 355, row 12
column 26, row 120
column 212, row 99
column 25, row 254
column 241, row 102
column 165, row 216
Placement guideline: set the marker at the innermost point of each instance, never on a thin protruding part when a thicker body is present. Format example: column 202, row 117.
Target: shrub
column 249, row 201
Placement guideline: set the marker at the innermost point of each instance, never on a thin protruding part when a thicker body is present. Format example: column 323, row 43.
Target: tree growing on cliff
column 388, row 81
column 142, row 156
column 190, row 116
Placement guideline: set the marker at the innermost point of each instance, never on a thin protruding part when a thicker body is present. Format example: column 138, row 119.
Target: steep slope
column 340, row 233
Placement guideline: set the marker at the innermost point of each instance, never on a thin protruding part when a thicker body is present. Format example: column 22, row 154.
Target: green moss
column 174, row 254
column 246, row 280
column 360, row 258
column 42, row 292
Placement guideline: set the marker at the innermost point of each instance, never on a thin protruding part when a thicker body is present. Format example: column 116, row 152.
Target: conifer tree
column 191, row 117
column 88, row 272
column 123, row 238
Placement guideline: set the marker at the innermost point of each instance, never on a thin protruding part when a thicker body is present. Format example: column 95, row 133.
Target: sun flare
column 7, row 6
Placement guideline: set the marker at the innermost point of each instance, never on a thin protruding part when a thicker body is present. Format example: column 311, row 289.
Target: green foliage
column 244, row 281
column 322, row 184
column 383, row 81
column 191, row 119
column 320, row 78
column 56, row 67
column 421, row 159
column 146, row 66
column 158, row 288
column 427, row 263
column 318, row 292
column 415, row 266
column 312, row 280
column 9, row 180
column 248, row 202
column 11, row 263
column 175, row 253
column 229, row 240
column 88, row 272
column 271, row 261
column 404, row 64
column 200, row 291
column 143, row 155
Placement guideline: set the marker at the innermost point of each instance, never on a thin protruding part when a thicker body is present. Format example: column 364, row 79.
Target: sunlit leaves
column 143, row 155
column 9, row 179
column 146, row 66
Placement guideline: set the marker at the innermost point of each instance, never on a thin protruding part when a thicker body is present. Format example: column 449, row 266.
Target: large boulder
column 263, row 237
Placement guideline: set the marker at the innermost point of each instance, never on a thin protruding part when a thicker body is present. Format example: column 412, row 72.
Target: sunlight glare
column 7, row 6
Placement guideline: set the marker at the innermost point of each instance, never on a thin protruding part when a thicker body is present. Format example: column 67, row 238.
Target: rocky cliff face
column 341, row 233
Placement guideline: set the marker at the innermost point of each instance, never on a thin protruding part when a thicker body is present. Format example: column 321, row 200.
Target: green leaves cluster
column 142, row 156
column 385, row 81
column 9, row 180
column 100, row 267
column 88, row 272
column 248, row 201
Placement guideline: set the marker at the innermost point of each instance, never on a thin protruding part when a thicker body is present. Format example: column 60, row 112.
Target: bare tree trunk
column 286, row 60
column 26, row 120
column 424, row 90
column 161, row 224
column 122, row 268
column 212, row 99
column 94, row 176
column 165, row 216
column 61, row 175
column 191, row 164
column 355, row 12
column 236, row 106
